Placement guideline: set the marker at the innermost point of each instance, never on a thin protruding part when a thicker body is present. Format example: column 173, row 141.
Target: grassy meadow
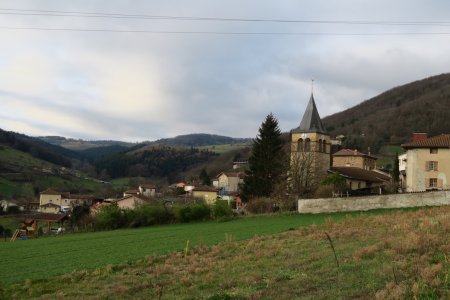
column 394, row 255
column 49, row 256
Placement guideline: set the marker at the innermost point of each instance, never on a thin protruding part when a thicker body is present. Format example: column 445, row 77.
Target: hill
column 392, row 117
column 23, row 176
column 201, row 139
column 39, row 148
column 80, row 144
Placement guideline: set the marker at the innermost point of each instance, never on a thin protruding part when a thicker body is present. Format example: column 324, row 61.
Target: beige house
column 310, row 148
column 206, row 193
column 427, row 163
column 228, row 182
column 51, row 201
column 131, row 201
column 354, row 158
column 359, row 171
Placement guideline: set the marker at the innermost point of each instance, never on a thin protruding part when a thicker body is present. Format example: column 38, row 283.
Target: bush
column 147, row 215
column 260, row 206
column 110, row 217
column 193, row 212
column 221, row 210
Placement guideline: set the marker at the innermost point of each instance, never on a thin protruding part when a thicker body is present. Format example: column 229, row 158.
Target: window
column 320, row 146
column 307, row 145
column 431, row 165
column 324, row 147
column 300, row 145
column 433, row 150
column 432, row 183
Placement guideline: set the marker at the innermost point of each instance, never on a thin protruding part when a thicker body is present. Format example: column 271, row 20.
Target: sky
column 143, row 70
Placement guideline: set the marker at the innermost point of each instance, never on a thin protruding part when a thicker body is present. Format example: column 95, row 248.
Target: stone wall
column 373, row 202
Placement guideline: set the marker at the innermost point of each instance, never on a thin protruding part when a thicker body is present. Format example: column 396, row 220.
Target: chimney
column 419, row 136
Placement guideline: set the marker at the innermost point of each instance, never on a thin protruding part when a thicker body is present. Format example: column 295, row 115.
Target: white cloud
column 135, row 86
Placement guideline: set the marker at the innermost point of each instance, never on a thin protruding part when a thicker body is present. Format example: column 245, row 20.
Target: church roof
column 311, row 121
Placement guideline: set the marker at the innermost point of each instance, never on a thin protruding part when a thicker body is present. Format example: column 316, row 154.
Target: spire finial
column 312, row 86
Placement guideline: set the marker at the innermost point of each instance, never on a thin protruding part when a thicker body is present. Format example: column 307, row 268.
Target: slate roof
column 311, row 121
column 360, row 174
column 439, row 141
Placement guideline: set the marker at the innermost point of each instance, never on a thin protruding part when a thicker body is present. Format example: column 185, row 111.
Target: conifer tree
column 266, row 163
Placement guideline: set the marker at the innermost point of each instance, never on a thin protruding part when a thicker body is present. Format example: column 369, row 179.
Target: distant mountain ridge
column 392, row 117
column 200, row 139
column 187, row 140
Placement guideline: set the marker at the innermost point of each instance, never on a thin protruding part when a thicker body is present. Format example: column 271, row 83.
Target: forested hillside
column 157, row 161
column 38, row 148
column 392, row 117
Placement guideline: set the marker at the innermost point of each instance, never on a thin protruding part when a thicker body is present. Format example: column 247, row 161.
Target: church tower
column 310, row 149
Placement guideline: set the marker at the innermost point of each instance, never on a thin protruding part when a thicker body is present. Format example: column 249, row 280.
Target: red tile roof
column 439, row 141
column 50, row 192
column 46, row 217
column 148, row 186
column 349, row 152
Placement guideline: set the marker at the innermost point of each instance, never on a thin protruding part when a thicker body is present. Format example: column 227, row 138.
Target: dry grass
column 397, row 255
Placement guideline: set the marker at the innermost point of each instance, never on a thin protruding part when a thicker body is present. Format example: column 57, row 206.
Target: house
column 51, row 201
column 95, row 208
column 427, row 162
column 362, row 180
column 228, row 182
column 148, row 190
column 131, row 192
column 359, row 171
column 131, row 201
column 9, row 205
column 206, row 193
column 354, row 158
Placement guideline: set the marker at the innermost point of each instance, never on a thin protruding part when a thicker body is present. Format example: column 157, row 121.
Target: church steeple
column 311, row 121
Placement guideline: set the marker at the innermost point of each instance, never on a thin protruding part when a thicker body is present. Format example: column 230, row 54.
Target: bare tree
column 302, row 178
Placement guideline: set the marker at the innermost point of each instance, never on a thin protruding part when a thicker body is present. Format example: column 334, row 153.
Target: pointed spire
column 311, row 121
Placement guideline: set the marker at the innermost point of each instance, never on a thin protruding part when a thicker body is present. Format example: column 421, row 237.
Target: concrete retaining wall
column 373, row 202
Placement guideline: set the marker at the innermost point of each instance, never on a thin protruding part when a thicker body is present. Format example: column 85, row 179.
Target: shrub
column 110, row 217
column 147, row 215
column 193, row 212
column 222, row 210
column 260, row 206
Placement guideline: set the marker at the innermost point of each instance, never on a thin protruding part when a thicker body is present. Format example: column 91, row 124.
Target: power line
column 224, row 32
column 59, row 13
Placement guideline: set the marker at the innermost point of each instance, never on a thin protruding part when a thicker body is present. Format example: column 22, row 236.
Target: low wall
column 373, row 202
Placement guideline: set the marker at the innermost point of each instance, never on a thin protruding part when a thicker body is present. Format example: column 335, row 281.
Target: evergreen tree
column 396, row 170
column 204, row 178
column 266, row 163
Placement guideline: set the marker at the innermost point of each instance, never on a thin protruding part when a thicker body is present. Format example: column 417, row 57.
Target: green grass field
column 50, row 256
column 399, row 254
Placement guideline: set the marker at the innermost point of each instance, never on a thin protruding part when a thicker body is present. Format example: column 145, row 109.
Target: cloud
column 137, row 86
